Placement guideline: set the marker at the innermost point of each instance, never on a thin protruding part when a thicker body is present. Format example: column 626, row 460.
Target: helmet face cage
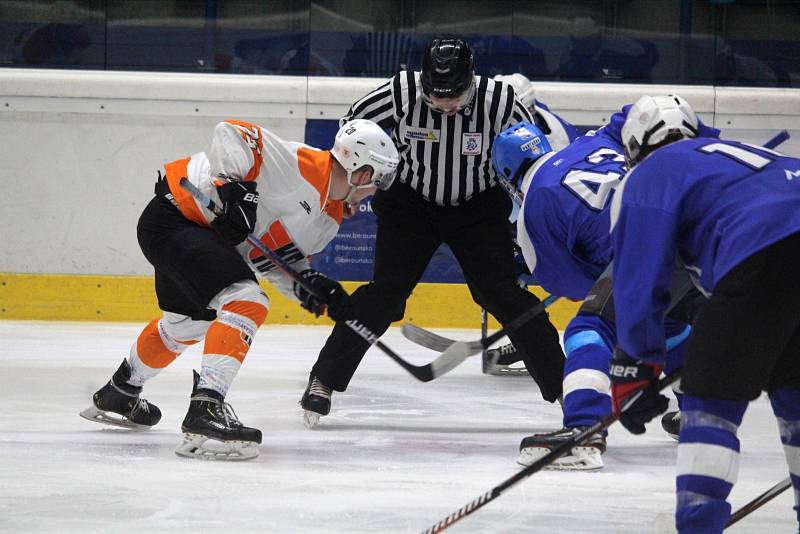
column 463, row 100
column 516, row 149
column 653, row 122
column 448, row 68
column 362, row 143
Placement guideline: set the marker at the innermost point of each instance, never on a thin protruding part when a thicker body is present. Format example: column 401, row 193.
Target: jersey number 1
column 742, row 155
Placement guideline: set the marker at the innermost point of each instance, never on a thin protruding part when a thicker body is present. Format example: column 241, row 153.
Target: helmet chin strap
column 349, row 198
column 353, row 188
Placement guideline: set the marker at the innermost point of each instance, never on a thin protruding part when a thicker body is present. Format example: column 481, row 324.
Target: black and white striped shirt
column 445, row 159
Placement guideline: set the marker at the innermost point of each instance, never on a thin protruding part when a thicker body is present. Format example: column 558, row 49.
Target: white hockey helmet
column 654, row 121
column 362, row 143
column 523, row 88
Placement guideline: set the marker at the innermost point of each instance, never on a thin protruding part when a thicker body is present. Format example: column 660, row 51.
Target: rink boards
column 132, row 298
column 82, row 149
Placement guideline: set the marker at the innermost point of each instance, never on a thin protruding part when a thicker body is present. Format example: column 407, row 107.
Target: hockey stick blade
column 541, row 463
column 760, row 501
column 426, row 338
column 434, row 341
column 421, row 373
column 459, row 351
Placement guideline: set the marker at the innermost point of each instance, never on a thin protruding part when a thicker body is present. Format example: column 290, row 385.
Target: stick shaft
column 760, row 501
column 778, row 139
column 359, row 328
column 541, row 463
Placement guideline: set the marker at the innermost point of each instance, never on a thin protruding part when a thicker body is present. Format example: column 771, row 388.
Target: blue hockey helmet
column 515, row 150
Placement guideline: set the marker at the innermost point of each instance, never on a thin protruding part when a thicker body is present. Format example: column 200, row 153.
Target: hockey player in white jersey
column 292, row 197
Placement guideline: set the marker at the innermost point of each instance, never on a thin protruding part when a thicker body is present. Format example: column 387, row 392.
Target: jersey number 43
column 595, row 187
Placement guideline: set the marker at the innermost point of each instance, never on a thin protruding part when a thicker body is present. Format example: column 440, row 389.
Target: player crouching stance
column 563, row 232
column 731, row 212
column 288, row 195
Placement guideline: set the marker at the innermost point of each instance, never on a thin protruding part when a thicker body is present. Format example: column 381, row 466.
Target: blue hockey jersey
column 561, row 133
column 564, row 230
column 712, row 202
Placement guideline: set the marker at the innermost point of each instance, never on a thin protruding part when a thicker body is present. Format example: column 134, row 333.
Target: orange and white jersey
column 295, row 217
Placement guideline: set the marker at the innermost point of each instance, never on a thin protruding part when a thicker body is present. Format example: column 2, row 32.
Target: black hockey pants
column 747, row 338
column 192, row 263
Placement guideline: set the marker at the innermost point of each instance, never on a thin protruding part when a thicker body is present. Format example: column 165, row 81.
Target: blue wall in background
column 702, row 42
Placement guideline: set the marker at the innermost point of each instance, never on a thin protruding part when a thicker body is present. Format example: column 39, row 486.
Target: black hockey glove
column 333, row 297
column 634, row 383
column 240, row 204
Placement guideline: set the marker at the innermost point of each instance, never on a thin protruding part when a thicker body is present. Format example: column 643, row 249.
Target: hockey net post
column 421, row 373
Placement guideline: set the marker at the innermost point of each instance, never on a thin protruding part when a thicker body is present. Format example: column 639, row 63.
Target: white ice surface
column 395, row 455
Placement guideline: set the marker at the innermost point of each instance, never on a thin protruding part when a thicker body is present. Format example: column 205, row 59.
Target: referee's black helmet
column 448, row 68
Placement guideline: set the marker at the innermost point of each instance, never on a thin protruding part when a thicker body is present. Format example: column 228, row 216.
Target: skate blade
column 204, row 448
column 580, row 459
column 502, row 370
column 310, row 419
column 92, row 413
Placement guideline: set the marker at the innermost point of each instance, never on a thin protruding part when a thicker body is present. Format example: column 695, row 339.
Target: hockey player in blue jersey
column 731, row 211
column 563, row 232
column 505, row 360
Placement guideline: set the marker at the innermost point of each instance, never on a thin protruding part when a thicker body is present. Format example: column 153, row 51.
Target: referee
column 443, row 121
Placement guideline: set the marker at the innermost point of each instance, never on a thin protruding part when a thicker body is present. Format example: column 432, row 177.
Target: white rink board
column 82, row 148
column 395, row 455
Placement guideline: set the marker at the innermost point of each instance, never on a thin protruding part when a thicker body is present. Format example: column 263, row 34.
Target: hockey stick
column 439, row 343
column 779, row 138
column 455, row 352
column 760, row 501
column 421, row 373
column 544, row 461
column 484, row 330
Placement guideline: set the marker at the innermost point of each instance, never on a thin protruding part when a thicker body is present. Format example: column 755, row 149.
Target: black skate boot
column 211, row 418
column 500, row 362
column 671, row 423
column 118, row 403
column 316, row 401
column 585, row 457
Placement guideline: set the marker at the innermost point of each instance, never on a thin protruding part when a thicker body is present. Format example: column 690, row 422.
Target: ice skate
column 316, row 402
column 671, row 423
column 212, row 431
column 503, row 361
column 118, row 404
column 587, row 457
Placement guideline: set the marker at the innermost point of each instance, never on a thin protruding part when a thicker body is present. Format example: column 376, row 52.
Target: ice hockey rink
column 395, row 455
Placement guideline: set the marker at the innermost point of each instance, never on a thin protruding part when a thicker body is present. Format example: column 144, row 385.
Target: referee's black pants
column 410, row 230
